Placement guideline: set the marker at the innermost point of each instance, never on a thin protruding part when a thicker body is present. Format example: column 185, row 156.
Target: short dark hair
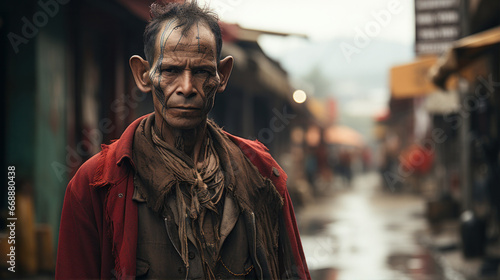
column 187, row 14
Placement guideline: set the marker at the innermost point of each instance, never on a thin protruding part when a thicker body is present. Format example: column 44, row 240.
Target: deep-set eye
column 202, row 72
column 170, row 70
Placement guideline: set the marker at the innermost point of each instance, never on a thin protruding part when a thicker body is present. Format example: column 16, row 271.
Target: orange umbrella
column 343, row 135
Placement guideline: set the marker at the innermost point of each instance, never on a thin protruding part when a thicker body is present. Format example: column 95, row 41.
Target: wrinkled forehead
column 197, row 39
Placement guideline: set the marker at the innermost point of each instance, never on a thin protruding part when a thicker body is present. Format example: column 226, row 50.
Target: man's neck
column 189, row 141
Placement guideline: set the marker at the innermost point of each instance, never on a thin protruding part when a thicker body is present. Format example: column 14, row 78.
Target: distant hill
column 368, row 68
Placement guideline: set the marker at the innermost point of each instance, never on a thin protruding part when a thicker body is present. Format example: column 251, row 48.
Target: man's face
column 184, row 75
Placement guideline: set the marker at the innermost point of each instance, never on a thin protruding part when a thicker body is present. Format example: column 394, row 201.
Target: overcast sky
column 320, row 19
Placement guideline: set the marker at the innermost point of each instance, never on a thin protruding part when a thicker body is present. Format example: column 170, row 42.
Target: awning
column 271, row 74
column 463, row 52
column 343, row 135
column 412, row 80
column 256, row 72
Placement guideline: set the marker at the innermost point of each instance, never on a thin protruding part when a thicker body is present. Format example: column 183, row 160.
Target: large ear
column 225, row 68
column 140, row 70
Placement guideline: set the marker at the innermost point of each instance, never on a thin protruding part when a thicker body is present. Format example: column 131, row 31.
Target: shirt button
column 276, row 172
column 191, row 255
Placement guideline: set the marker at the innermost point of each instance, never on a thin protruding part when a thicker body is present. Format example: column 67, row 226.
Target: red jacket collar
column 114, row 155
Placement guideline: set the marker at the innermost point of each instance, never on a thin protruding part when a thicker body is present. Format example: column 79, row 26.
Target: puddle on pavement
column 315, row 226
column 365, row 234
column 397, row 267
column 419, row 267
column 324, row 274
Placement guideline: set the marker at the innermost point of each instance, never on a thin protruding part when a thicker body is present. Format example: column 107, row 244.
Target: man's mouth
column 186, row 108
column 185, row 111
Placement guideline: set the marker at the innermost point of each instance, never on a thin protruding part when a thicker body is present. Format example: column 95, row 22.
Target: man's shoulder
column 253, row 149
column 80, row 185
column 259, row 156
column 247, row 143
column 87, row 171
column 106, row 164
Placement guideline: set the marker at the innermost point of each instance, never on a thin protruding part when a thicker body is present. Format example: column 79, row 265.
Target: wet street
column 364, row 233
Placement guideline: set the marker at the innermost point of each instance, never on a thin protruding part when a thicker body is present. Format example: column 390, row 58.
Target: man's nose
column 185, row 84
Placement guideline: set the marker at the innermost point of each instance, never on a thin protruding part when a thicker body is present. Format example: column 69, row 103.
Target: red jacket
column 98, row 231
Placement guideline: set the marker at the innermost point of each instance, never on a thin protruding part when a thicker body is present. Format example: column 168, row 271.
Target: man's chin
column 186, row 124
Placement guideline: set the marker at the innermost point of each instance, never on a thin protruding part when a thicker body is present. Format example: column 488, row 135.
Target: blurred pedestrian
column 345, row 166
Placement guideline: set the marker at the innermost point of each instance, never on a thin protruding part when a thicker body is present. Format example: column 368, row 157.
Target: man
column 176, row 197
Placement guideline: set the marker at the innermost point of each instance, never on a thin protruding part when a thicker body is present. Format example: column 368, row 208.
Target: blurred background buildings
column 410, row 92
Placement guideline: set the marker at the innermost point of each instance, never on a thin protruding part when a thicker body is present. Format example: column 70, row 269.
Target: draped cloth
column 198, row 193
column 164, row 171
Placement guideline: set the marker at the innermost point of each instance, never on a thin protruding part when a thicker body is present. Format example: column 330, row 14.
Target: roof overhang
column 412, row 79
column 462, row 54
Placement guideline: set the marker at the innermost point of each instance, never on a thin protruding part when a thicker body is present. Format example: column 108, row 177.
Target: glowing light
column 299, row 96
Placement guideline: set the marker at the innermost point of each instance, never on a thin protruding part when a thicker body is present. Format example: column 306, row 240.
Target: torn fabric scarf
column 198, row 193
column 162, row 170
